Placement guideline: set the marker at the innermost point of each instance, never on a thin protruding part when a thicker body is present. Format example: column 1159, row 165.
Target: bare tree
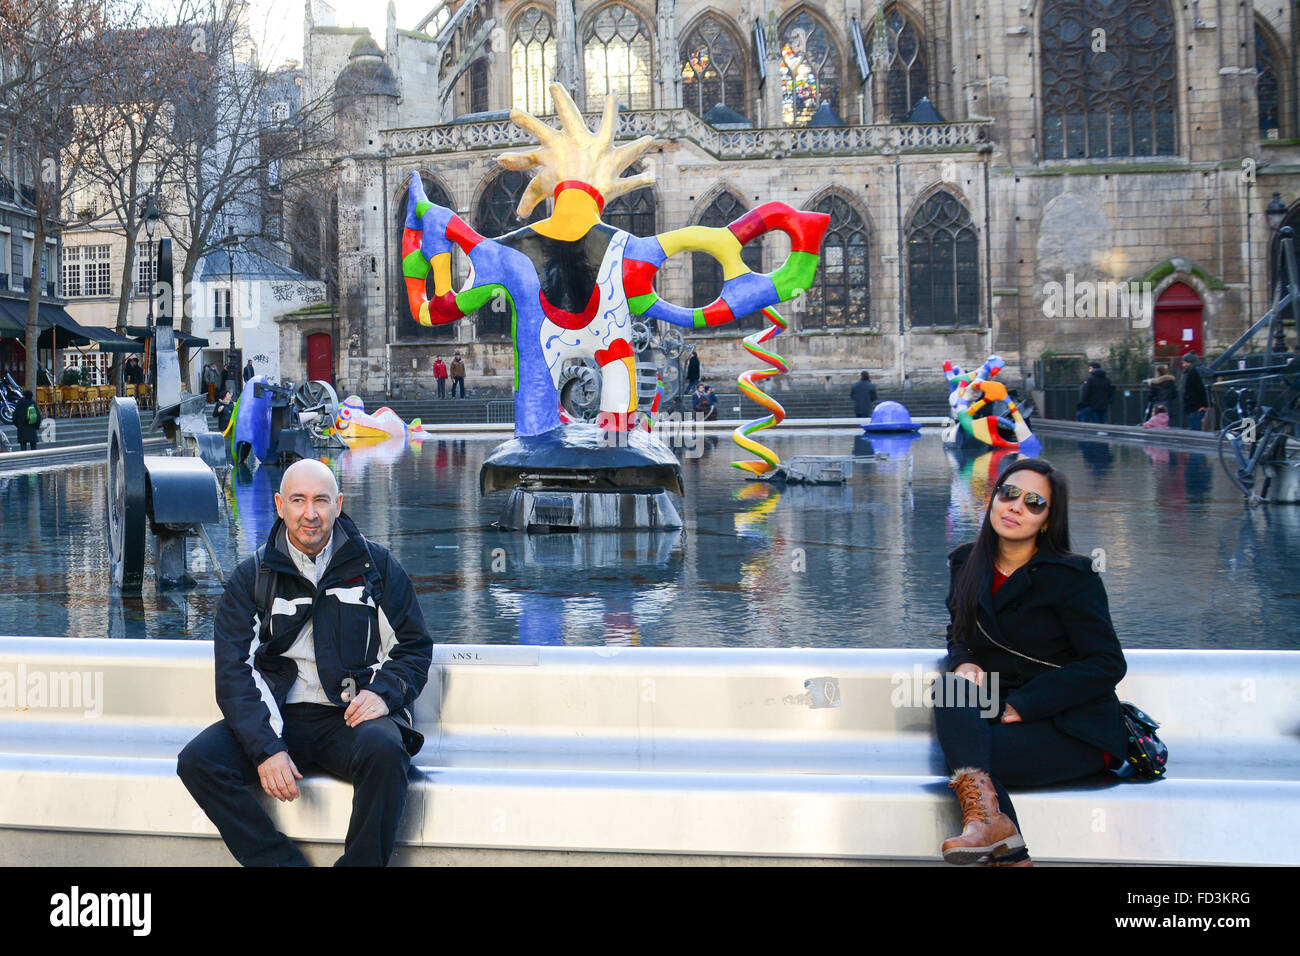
column 126, row 124
column 50, row 48
column 229, row 147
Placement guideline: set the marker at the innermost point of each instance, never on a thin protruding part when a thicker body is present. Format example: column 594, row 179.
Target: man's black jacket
column 386, row 650
column 1096, row 391
column 1053, row 608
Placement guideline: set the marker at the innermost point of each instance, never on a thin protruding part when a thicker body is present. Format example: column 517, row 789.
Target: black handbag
column 1147, row 753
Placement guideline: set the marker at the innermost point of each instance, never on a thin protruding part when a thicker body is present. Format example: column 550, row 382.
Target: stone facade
column 1191, row 214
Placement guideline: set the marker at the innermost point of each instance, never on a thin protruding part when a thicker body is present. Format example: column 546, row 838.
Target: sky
column 277, row 24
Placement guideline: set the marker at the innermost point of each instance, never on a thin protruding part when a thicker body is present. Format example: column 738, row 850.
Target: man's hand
column 1009, row 716
column 277, row 774
column 367, row 705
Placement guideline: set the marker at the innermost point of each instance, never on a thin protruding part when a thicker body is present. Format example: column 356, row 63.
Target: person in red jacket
column 440, row 375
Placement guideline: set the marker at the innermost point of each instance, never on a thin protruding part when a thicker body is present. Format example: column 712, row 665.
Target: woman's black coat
column 1054, row 609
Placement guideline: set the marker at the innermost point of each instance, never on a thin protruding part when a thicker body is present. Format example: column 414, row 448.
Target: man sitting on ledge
column 320, row 652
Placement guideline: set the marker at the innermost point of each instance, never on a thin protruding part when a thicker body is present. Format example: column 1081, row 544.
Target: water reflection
column 859, row 564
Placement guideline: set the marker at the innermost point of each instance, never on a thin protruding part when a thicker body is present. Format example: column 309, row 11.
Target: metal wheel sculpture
column 640, row 336
column 580, row 391
column 319, row 397
column 126, row 495
column 671, row 343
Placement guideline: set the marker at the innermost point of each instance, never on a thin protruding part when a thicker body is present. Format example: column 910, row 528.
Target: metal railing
column 500, row 412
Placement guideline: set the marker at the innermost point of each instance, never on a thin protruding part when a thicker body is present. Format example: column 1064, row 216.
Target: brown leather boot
column 986, row 831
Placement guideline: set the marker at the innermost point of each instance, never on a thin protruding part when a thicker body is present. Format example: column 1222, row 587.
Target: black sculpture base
column 582, row 478
column 585, row 457
column 550, row 510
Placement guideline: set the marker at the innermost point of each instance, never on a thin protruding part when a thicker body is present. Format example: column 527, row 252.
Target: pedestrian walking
column 864, row 395
column 1094, row 395
column 27, row 419
column 457, row 376
column 440, row 376
column 1195, row 399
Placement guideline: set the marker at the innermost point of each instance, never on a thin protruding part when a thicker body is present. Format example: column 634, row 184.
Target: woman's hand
column 1009, row 716
column 972, row 672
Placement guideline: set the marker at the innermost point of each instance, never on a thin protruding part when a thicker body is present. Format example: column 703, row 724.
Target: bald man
column 320, row 650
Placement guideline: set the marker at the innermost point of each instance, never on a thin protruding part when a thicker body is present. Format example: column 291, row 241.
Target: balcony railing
column 722, row 144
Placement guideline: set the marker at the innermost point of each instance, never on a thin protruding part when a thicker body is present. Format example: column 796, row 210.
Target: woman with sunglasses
column 1031, row 626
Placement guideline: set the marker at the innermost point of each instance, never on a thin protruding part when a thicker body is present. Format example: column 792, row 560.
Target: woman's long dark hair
column 976, row 572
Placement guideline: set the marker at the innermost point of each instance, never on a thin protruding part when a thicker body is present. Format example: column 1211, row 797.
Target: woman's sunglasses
column 1034, row 503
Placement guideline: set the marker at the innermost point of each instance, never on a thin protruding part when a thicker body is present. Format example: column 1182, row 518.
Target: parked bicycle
column 1254, row 446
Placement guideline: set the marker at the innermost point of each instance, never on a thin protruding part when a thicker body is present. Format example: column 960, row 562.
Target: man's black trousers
column 223, row 780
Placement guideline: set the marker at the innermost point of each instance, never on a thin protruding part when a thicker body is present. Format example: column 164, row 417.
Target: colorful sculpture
column 353, row 423
column 574, row 284
column 985, row 414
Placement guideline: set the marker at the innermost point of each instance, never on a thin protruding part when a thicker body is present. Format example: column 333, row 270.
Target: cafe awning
column 107, row 339
column 13, row 319
column 182, row 338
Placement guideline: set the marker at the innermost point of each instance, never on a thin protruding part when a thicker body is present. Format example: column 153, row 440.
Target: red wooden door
column 320, row 358
column 1178, row 322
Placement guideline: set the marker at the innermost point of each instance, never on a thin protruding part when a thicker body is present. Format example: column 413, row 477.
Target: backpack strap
column 264, row 595
column 374, row 580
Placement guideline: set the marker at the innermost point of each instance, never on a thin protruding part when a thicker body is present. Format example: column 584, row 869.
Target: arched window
column 810, row 68
column 407, row 328
column 616, row 51
column 907, row 80
column 713, row 68
column 633, row 212
column 532, row 60
column 706, row 272
column 1268, row 88
column 1108, row 75
column 478, row 85
column 494, row 216
column 943, row 264
column 841, row 291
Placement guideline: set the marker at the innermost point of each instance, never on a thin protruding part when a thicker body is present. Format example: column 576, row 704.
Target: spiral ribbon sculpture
column 748, row 382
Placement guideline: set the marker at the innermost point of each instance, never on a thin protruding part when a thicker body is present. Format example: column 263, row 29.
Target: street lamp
column 151, row 217
column 230, row 242
column 1276, row 211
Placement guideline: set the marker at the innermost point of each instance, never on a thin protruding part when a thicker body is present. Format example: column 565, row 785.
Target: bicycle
column 1249, row 445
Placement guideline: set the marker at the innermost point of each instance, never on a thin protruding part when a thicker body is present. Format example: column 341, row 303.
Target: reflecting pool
column 1186, row 563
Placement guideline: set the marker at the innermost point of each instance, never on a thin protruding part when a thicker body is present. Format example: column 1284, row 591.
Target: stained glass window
column 1108, row 74
column 713, row 68
column 495, row 216
column 943, row 264
column 532, row 60
column 407, row 328
column 706, row 272
column 907, row 78
column 841, row 291
column 616, row 51
column 1266, row 87
column 810, row 69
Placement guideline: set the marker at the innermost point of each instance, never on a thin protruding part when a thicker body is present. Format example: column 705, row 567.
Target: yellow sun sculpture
column 576, row 285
